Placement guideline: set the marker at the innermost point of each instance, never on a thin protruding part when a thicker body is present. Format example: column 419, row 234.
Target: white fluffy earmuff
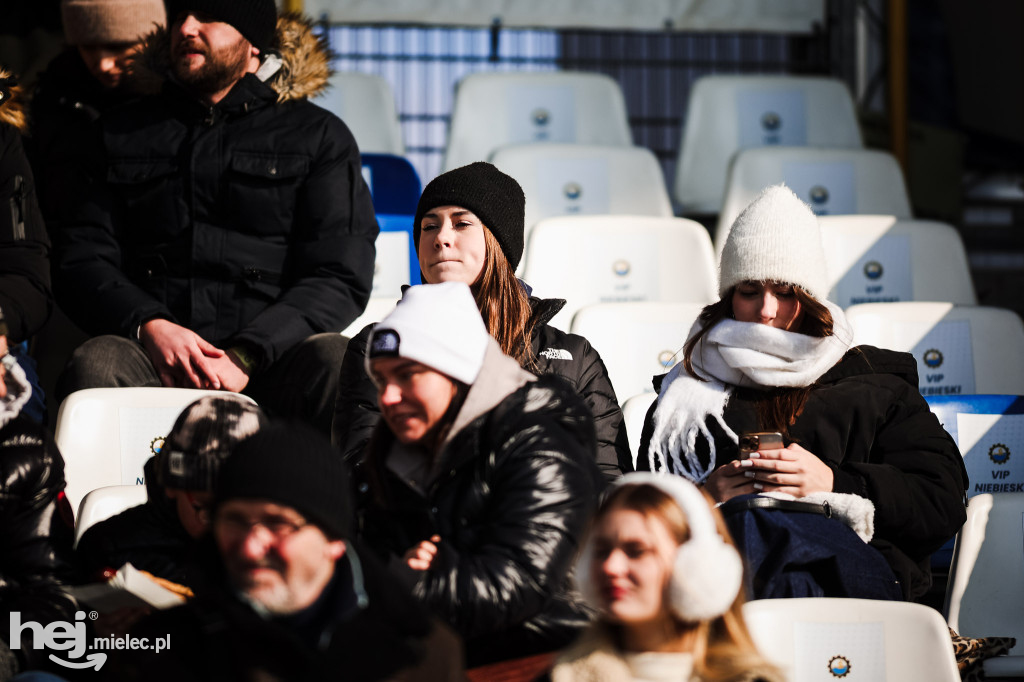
column 708, row 571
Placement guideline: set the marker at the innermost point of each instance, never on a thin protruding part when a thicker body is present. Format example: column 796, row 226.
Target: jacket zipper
column 18, row 208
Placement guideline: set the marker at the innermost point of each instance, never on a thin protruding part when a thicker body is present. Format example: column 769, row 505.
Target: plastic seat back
column 830, row 181
column 959, row 349
column 102, row 503
column 876, row 259
column 985, row 596
column 636, row 340
column 578, row 179
column 634, row 414
column 604, row 259
column 366, row 104
column 395, row 188
column 824, row 639
column 492, row 110
column 106, row 434
column 728, row 113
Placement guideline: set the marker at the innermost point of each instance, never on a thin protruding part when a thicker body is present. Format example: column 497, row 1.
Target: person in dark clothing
column 160, row 535
column 469, row 228
column 224, row 234
column 480, row 479
column 773, row 355
column 81, row 83
column 25, row 295
column 288, row 595
column 36, row 526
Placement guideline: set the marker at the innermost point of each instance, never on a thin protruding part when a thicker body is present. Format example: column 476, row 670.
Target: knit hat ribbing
column 437, row 325
column 496, row 199
column 256, row 20
column 775, row 239
column 291, row 464
column 103, row 22
column 202, row 437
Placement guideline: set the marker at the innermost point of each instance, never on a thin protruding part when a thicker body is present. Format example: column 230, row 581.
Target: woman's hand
column 420, row 557
column 791, row 470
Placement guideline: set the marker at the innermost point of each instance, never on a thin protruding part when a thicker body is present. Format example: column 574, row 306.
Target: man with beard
column 224, row 231
column 290, row 596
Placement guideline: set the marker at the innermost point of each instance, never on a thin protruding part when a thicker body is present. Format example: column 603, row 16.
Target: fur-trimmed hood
column 12, row 112
column 305, row 70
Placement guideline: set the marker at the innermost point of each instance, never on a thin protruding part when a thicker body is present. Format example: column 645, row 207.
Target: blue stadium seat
column 396, row 189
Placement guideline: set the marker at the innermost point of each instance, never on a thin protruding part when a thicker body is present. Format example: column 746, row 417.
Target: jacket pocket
column 263, row 190
column 150, row 193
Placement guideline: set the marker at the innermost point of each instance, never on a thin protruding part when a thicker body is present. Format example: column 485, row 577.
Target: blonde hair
column 723, row 648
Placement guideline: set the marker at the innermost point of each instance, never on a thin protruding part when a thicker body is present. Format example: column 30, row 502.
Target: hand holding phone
column 761, row 440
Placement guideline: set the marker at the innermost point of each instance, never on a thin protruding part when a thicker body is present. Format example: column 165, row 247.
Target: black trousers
column 302, row 384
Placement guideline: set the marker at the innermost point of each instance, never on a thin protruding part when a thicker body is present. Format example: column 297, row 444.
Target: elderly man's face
column 208, row 56
column 273, row 555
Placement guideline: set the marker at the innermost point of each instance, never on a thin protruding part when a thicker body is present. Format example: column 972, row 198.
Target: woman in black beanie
column 469, row 227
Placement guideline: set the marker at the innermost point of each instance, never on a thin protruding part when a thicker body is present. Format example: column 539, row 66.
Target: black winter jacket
column 25, row 296
column 513, row 493
column 568, row 356
column 36, row 532
column 247, row 222
column 149, row 536
column 368, row 629
column 866, row 419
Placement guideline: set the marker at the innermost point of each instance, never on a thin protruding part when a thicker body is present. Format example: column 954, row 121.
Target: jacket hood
column 12, row 112
column 305, row 57
column 870, row 360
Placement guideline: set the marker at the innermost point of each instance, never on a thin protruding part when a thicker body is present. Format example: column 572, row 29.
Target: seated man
column 224, row 234
column 159, row 536
column 289, row 597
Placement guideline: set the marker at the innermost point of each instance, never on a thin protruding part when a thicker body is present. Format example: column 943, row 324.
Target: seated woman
column 773, row 355
column 469, row 228
column 666, row 581
column 479, row 480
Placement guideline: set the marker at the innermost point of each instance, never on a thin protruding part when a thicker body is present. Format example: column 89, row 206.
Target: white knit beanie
column 102, row 22
column 775, row 239
column 438, row 325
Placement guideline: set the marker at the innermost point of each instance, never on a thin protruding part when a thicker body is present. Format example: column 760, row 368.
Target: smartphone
column 763, row 440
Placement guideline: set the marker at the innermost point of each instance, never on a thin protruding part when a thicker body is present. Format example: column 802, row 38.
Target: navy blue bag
column 796, row 549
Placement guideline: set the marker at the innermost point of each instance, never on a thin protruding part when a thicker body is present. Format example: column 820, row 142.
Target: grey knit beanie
column 496, row 199
column 775, row 239
column 202, row 437
column 102, row 22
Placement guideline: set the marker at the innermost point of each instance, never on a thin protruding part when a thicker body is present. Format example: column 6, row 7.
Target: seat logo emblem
column 839, row 666
column 873, row 269
column 819, row 194
column 621, row 267
column 999, row 453
column 541, row 117
column 665, row 358
column 572, row 190
column 771, row 121
column 933, row 358
column 156, row 444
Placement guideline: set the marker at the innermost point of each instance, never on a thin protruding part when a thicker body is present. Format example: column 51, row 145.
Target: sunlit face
column 207, row 55
column 193, row 509
column 413, row 397
column 769, row 303
column 451, row 246
column 107, row 63
column 631, row 566
column 272, row 555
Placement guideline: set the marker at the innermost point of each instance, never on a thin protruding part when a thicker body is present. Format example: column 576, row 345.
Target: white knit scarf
column 745, row 354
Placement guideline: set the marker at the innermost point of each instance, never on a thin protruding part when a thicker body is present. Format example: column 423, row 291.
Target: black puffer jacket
column 149, row 536
column 247, row 222
column 867, row 420
column 25, row 296
column 511, row 497
column 568, row 356
column 36, row 531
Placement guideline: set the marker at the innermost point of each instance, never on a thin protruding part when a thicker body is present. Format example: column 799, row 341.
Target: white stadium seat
column 728, row 113
column 634, row 414
column 367, row 106
column 102, row 503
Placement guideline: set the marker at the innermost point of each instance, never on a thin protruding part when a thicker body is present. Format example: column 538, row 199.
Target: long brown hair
column 723, row 648
column 504, row 304
column 779, row 408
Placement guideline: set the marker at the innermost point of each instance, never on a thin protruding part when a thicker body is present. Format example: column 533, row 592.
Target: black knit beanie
column 291, row 464
column 202, row 437
column 496, row 199
column 254, row 19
